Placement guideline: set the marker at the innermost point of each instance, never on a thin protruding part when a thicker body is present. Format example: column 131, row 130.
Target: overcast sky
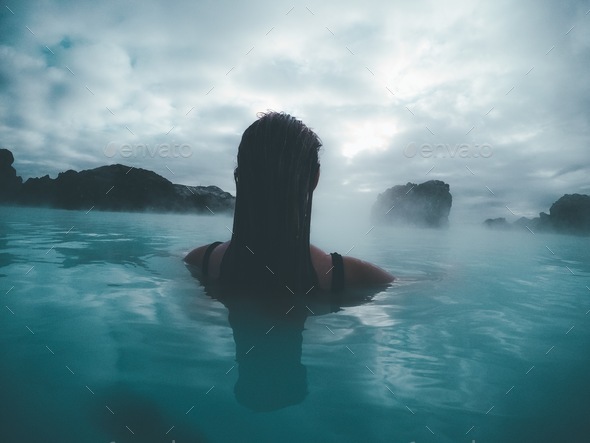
column 493, row 97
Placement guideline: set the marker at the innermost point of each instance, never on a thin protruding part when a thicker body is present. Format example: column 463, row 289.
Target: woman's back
column 277, row 172
column 333, row 271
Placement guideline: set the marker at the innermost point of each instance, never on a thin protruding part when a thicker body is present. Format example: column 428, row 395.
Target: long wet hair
column 275, row 177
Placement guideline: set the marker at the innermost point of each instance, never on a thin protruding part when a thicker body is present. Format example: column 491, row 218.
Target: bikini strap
column 208, row 251
column 337, row 272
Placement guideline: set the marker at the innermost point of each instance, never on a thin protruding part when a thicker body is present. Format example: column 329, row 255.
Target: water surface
column 106, row 336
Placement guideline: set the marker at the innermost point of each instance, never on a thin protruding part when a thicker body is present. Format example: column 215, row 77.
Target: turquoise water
column 106, row 337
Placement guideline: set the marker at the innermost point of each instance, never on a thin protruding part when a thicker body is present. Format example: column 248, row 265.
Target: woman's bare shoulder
column 195, row 257
column 359, row 272
column 356, row 272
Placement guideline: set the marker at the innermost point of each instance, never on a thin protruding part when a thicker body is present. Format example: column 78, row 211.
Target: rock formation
column 497, row 223
column 569, row 215
column 10, row 183
column 427, row 204
column 113, row 188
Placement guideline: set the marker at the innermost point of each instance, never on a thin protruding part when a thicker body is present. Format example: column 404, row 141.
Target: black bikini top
column 337, row 267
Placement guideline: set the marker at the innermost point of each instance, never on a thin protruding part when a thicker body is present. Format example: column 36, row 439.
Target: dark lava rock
column 117, row 188
column 427, row 204
column 571, row 214
column 10, row 183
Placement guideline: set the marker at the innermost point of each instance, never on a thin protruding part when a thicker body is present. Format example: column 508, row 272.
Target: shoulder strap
column 208, row 251
column 337, row 272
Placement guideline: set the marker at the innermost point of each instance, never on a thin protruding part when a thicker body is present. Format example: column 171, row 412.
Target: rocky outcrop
column 497, row 223
column 10, row 183
column 426, row 205
column 569, row 215
column 120, row 188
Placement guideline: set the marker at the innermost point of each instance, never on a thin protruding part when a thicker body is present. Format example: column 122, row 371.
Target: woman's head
column 277, row 171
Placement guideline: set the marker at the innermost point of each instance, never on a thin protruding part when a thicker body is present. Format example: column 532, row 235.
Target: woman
column 278, row 170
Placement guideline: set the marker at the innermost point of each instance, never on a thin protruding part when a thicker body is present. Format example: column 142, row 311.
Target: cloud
column 397, row 91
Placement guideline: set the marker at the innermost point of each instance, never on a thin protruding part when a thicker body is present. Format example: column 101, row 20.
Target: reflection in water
column 267, row 330
column 268, row 333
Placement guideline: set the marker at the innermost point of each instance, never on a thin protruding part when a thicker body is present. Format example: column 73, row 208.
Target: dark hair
column 276, row 173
